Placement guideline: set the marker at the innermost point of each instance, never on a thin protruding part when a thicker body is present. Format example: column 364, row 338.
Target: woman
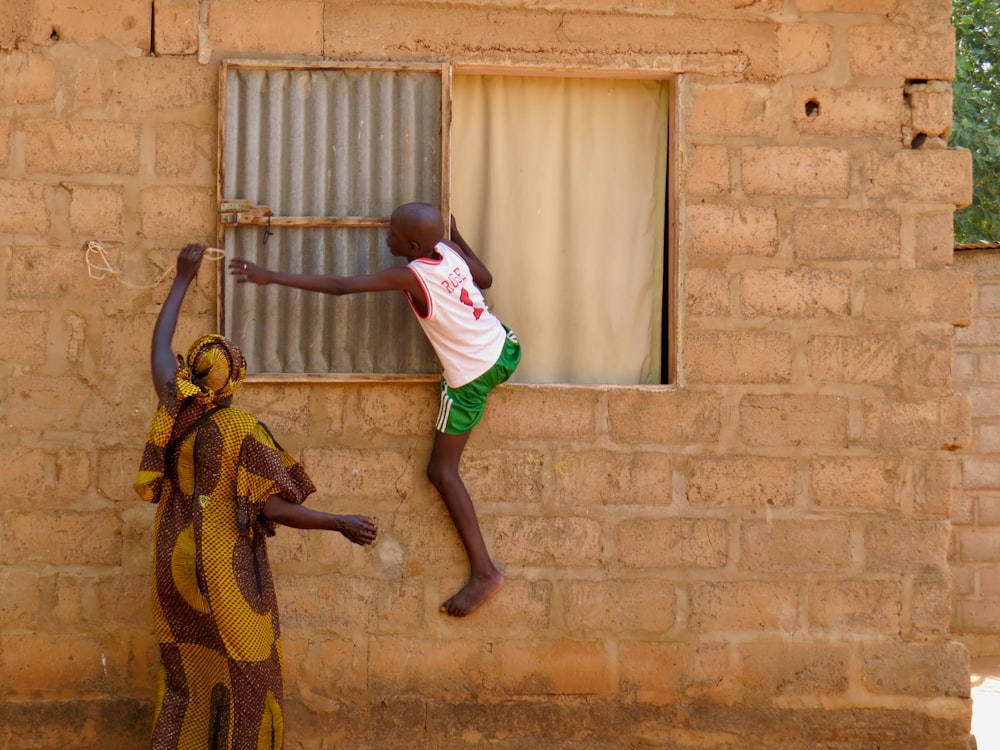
column 222, row 484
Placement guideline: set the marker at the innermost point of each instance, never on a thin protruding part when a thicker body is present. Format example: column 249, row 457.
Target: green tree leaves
column 976, row 118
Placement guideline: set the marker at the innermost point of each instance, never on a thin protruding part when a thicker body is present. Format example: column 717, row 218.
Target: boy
column 443, row 281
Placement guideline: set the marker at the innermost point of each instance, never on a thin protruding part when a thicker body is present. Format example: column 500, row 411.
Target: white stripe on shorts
column 444, row 410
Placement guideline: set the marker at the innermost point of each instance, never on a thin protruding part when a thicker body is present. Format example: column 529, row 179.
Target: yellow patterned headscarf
column 210, row 374
column 212, row 371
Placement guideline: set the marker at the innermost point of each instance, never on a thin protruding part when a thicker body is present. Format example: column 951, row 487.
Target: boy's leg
column 484, row 579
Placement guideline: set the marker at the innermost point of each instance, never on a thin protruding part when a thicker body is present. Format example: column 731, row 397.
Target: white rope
column 99, row 267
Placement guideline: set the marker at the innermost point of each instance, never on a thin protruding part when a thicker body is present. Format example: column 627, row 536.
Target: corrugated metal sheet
column 327, row 142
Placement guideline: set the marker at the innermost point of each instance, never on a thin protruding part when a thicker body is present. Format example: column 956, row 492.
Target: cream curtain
column 560, row 185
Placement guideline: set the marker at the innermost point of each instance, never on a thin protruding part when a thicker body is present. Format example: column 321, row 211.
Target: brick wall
column 975, row 548
column 755, row 558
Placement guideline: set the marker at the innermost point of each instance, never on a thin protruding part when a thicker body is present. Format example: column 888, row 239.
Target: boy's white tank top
column 466, row 336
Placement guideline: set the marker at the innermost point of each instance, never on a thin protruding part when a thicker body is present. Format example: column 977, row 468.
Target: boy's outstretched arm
column 480, row 273
column 163, row 362
column 358, row 529
column 396, row 278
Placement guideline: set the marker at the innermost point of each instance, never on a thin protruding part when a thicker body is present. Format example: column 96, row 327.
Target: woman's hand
column 189, row 260
column 359, row 529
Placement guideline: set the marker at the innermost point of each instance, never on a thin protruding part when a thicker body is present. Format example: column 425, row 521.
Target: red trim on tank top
column 427, row 296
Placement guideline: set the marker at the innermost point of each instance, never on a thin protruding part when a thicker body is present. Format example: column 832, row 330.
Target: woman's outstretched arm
column 163, row 363
column 358, row 529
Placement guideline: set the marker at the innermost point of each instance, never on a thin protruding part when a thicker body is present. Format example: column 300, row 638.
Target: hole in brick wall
column 918, row 140
column 812, row 108
column 54, row 36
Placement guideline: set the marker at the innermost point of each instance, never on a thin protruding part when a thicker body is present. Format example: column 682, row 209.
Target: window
column 558, row 183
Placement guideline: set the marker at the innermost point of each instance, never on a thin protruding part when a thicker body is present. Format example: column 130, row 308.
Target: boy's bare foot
column 473, row 594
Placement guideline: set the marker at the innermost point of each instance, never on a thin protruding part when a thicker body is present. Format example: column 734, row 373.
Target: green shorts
column 462, row 408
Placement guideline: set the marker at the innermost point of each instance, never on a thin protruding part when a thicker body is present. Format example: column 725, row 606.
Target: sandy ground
column 986, row 702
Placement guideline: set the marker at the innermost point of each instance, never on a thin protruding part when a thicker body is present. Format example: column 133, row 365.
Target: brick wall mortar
column 756, row 555
column 974, row 555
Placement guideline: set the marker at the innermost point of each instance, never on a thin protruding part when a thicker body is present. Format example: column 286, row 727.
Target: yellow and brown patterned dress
column 214, row 608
